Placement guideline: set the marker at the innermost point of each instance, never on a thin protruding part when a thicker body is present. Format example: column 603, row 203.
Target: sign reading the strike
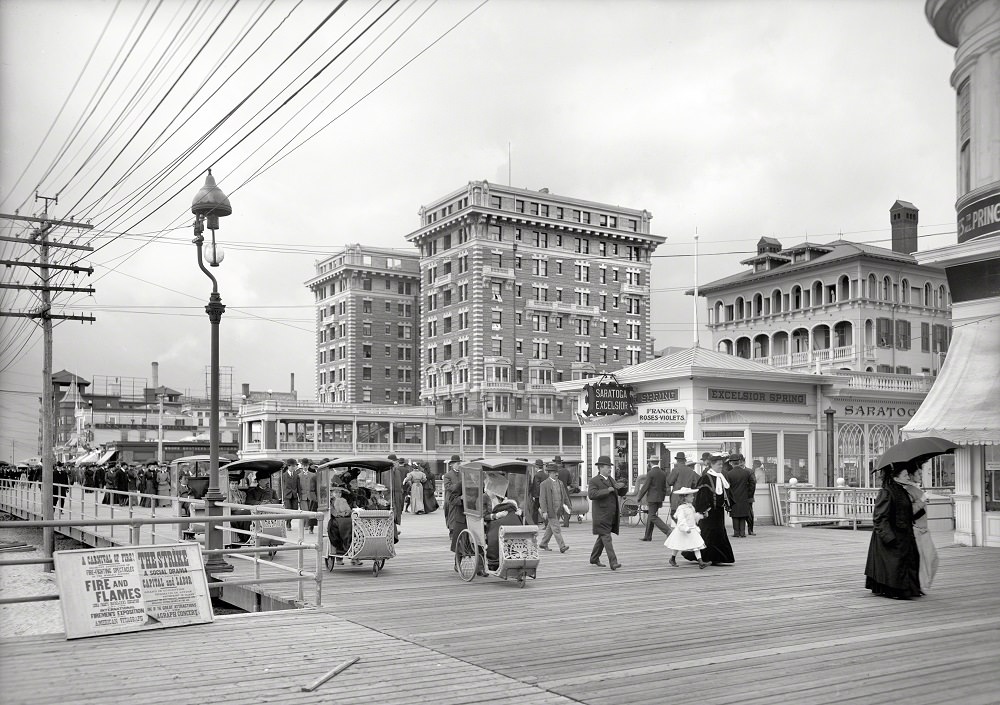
column 608, row 398
column 134, row 588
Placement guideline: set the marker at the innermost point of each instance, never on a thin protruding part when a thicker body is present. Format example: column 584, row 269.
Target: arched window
column 776, row 301
column 796, row 301
column 851, row 453
column 726, row 346
column 904, row 290
column 886, row 289
column 817, row 294
column 872, row 292
column 844, row 288
column 758, row 305
column 719, row 312
column 942, row 297
column 740, row 313
column 927, row 294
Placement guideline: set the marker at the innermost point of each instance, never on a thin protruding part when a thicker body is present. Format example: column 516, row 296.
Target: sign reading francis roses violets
column 131, row 589
column 608, row 398
column 755, row 397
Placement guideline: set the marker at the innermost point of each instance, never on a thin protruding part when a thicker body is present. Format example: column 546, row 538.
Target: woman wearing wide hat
column 711, row 502
column 893, row 565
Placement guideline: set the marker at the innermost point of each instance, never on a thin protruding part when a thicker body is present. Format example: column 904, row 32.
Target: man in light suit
column 290, row 487
column 654, row 489
column 307, row 486
column 553, row 499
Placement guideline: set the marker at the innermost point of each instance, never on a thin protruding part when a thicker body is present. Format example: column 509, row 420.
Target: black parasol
column 915, row 450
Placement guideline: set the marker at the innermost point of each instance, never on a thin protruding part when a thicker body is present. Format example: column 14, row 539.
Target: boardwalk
column 789, row 623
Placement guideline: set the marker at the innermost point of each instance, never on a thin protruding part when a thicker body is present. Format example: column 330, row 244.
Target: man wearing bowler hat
column 654, row 491
column 453, row 507
column 603, row 492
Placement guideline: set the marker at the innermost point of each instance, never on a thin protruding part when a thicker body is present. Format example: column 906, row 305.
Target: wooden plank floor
column 790, row 622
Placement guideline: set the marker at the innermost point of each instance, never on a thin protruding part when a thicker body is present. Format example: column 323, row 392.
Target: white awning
column 963, row 406
column 107, row 457
column 88, row 459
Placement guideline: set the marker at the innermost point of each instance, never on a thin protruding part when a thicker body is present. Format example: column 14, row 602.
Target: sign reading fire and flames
column 130, row 589
column 607, row 398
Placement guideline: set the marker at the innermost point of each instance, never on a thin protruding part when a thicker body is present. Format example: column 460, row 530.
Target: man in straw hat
column 603, row 492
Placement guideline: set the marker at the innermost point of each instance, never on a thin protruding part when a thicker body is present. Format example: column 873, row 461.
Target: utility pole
column 39, row 238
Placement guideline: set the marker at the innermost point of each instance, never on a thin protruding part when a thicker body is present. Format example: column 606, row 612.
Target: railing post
column 135, row 534
column 793, row 508
column 112, row 505
column 841, row 505
column 302, row 559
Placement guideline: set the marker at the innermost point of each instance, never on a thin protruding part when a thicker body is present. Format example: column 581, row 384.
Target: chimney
column 156, row 375
column 292, row 383
column 246, row 390
column 903, row 219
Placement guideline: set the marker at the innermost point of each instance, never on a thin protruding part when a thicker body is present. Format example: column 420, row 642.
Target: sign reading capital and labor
column 608, row 398
column 130, row 589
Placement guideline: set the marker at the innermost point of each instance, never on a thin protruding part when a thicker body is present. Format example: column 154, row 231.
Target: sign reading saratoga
column 608, row 398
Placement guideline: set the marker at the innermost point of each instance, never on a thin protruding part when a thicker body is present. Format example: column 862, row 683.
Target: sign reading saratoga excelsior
column 133, row 588
column 608, row 398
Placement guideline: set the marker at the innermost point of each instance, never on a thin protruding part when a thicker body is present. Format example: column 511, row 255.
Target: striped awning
column 963, row 406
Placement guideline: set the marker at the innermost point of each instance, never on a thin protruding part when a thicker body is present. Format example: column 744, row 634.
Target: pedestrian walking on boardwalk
column 539, row 476
column 307, row 490
column 686, row 535
column 290, row 487
column 654, row 490
column 893, row 565
column 711, row 502
column 454, row 507
column 682, row 474
column 741, row 487
column 603, row 492
column 553, row 498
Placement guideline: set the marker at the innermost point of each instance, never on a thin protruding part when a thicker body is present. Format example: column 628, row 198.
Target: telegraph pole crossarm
column 52, row 316
column 76, row 269
column 34, row 287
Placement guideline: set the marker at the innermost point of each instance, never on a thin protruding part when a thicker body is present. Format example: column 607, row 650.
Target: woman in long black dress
column 711, row 501
column 893, row 565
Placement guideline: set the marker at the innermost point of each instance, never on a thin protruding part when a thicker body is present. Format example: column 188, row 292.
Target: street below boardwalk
column 790, row 622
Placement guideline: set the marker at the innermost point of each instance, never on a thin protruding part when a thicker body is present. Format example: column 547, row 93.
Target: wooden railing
column 24, row 497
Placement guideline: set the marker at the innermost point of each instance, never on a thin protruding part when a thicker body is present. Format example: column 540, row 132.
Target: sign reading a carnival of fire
column 607, row 398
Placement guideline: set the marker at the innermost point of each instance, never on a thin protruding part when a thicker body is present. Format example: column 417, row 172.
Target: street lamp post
column 209, row 204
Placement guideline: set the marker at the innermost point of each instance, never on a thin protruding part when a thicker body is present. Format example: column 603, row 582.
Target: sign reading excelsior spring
column 134, row 588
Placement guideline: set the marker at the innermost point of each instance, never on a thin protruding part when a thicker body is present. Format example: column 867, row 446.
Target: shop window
column 991, row 477
column 765, row 452
column 796, row 457
column 851, row 452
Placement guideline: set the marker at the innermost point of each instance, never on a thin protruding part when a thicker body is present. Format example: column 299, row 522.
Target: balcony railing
column 443, row 279
column 499, row 386
column 545, row 305
column 634, row 289
column 886, row 382
column 498, row 272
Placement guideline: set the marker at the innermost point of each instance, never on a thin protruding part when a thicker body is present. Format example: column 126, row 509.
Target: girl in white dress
column 686, row 536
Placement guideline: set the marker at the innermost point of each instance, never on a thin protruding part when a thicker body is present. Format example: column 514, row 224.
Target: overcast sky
column 738, row 119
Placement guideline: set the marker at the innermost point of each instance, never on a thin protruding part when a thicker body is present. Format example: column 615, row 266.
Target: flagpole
column 696, row 288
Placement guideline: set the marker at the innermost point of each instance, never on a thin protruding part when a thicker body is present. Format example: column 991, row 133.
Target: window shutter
column 925, row 337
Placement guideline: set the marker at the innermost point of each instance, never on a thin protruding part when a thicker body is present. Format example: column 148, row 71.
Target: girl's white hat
column 685, row 490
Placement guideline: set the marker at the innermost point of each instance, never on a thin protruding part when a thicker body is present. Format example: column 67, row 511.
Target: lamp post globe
column 210, row 204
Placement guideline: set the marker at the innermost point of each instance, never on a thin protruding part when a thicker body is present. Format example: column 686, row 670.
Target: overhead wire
column 96, row 100
column 72, row 90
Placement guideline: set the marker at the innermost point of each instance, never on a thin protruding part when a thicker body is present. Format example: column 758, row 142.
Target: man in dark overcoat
column 741, row 488
column 603, row 492
column 399, row 471
column 290, row 487
column 454, row 509
column 654, row 490
column 537, row 479
column 680, row 475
